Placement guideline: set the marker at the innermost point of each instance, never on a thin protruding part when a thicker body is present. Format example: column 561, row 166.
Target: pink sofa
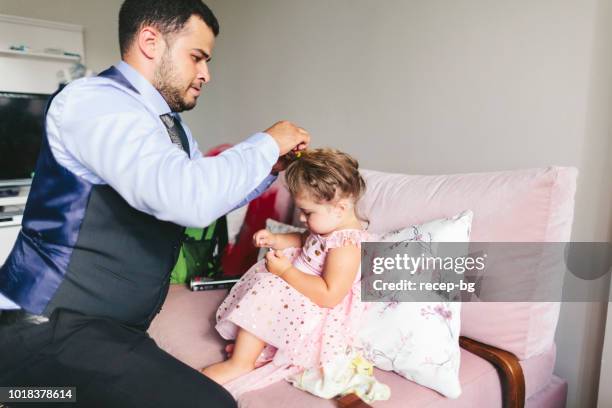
column 528, row 205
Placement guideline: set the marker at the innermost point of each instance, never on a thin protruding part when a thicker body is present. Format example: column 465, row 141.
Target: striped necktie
column 175, row 131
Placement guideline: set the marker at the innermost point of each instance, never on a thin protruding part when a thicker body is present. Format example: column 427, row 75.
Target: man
column 118, row 178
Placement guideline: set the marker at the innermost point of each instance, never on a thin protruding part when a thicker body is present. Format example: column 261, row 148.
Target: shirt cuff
column 269, row 180
column 266, row 144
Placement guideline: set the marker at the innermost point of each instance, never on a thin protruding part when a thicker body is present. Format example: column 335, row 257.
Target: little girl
column 299, row 307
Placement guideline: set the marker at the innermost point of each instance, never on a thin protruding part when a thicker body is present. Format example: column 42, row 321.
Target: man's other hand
column 283, row 162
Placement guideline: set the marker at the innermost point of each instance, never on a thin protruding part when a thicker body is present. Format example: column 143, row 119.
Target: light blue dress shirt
column 107, row 134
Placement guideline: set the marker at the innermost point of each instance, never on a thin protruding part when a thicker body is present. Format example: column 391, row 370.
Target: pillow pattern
column 421, row 339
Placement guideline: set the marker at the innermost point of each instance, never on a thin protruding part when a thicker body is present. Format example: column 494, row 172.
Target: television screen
column 21, row 129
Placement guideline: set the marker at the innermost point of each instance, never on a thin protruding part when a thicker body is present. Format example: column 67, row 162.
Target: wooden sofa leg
column 507, row 364
column 351, row 401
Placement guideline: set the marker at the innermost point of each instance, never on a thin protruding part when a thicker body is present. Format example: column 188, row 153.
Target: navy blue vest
column 83, row 247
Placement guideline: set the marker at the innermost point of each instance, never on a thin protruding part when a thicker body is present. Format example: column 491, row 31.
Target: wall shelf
column 13, row 201
column 40, row 55
column 14, row 221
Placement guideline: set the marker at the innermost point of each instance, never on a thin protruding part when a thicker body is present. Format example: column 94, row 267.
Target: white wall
column 605, row 392
column 420, row 86
column 437, row 87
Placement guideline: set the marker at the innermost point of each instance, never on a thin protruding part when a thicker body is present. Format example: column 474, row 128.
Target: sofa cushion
column 534, row 205
column 185, row 329
column 538, row 371
column 479, row 382
column 480, row 385
column 554, row 395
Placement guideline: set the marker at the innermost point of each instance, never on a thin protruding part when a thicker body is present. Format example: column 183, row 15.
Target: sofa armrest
column 507, row 364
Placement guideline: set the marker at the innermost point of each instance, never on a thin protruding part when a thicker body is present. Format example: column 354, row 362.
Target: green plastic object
column 201, row 252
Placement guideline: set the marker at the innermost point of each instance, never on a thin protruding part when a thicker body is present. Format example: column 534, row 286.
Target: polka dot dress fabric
column 297, row 331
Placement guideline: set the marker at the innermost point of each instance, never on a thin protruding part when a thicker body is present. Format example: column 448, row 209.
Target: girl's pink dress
column 299, row 334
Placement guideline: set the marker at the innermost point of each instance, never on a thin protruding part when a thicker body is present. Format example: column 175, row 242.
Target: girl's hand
column 264, row 238
column 277, row 263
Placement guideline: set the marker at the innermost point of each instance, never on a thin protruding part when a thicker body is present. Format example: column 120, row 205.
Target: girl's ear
column 344, row 204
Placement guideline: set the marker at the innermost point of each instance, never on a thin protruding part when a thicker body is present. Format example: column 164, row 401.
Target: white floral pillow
column 277, row 227
column 421, row 339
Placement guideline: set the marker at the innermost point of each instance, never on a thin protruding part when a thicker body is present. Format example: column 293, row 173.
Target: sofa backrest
column 534, row 205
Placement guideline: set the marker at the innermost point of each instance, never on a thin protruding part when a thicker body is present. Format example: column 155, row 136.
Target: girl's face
column 320, row 218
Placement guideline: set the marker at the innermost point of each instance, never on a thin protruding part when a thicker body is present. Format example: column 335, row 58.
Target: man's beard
column 166, row 81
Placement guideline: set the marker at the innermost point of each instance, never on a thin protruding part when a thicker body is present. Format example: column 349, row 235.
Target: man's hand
column 283, row 162
column 277, row 263
column 289, row 137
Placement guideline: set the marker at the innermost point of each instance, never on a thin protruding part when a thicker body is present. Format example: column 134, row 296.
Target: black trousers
column 111, row 365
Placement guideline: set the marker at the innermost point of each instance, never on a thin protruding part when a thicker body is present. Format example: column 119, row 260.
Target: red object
column 238, row 258
column 217, row 150
column 242, row 255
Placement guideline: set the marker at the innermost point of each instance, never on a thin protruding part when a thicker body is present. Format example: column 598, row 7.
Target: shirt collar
column 145, row 88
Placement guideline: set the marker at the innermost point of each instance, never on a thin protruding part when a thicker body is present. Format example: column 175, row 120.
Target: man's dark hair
column 168, row 16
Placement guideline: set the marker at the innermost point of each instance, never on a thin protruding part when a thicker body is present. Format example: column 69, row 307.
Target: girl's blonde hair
column 326, row 175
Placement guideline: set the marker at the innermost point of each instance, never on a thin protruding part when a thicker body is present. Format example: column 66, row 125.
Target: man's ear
column 150, row 42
